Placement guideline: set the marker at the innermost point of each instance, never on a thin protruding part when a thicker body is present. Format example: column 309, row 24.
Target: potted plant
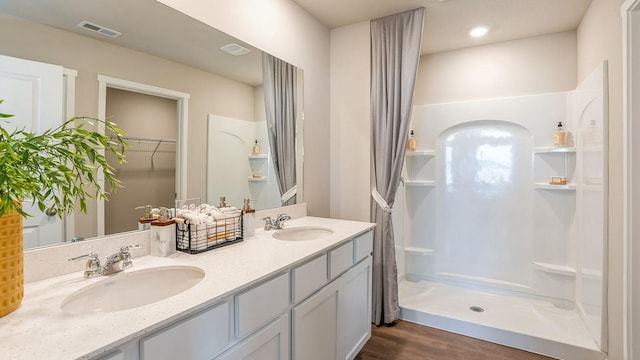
column 56, row 169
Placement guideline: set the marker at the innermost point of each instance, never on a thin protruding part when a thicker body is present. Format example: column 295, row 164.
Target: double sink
column 131, row 289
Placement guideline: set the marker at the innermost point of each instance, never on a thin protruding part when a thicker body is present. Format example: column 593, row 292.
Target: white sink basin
column 127, row 290
column 302, row 233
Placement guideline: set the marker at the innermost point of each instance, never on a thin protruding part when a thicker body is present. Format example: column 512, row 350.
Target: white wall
column 600, row 38
column 283, row 29
column 534, row 65
column 350, row 122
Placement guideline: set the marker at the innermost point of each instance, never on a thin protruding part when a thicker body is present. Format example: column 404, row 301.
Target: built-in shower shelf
column 252, row 179
column 260, row 156
column 551, row 150
column 418, row 251
column 547, row 186
column 421, row 153
column 555, row 269
column 422, row 183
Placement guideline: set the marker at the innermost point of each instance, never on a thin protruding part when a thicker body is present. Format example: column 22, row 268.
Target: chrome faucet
column 114, row 263
column 280, row 221
column 270, row 224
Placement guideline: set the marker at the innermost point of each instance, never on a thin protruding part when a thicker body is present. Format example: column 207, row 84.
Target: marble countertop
column 39, row 329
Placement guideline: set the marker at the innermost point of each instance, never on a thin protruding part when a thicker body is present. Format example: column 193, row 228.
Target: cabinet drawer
column 261, row 304
column 202, row 336
column 340, row 259
column 309, row 277
column 363, row 245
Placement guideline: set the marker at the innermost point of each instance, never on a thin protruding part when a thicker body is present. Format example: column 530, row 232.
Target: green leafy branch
column 59, row 166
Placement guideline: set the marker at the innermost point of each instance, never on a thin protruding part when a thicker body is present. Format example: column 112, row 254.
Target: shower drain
column 476, row 308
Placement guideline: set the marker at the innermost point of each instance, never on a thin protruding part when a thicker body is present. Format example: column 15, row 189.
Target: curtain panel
column 395, row 54
column 280, row 79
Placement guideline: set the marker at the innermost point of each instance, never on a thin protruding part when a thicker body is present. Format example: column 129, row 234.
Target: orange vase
column 11, row 262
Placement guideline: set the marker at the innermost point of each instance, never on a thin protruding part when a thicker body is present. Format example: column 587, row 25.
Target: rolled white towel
column 193, row 218
column 225, row 215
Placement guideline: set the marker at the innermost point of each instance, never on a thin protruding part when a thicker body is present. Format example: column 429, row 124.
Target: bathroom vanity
column 263, row 298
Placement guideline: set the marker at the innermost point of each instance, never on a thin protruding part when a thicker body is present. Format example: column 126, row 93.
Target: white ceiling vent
column 99, row 29
column 235, row 49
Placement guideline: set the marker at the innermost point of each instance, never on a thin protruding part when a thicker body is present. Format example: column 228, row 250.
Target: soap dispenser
column 163, row 235
column 560, row 136
column 143, row 222
column 412, row 143
column 248, row 219
column 255, row 150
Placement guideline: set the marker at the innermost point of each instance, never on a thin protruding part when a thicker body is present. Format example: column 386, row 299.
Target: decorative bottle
column 560, row 136
column 255, row 150
column 412, row 143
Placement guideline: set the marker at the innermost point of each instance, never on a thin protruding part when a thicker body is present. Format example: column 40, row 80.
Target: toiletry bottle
column 248, row 219
column 222, row 202
column 412, row 143
column 143, row 221
column 256, row 148
column 560, row 136
column 163, row 237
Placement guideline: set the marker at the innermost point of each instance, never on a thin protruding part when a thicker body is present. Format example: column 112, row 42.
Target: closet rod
column 140, row 138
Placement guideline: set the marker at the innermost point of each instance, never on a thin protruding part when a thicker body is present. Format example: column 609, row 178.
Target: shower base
column 525, row 323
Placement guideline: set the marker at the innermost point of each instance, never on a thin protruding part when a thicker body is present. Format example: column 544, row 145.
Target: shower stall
column 486, row 246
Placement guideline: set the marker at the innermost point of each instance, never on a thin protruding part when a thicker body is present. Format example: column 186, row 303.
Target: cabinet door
column 128, row 351
column 202, row 336
column 315, row 325
column 355, row 310
column 270, row 343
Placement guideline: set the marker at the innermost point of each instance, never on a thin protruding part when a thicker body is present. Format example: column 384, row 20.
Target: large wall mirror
column 169, row 64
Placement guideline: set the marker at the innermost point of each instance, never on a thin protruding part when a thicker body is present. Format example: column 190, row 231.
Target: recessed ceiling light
column 235, row 49
column 478, row 31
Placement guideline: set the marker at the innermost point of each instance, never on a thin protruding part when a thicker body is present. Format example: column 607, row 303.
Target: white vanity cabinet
column 335, row 322
column 320, row 309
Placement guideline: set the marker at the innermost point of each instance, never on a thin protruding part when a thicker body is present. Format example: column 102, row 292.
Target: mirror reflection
column 169, row 64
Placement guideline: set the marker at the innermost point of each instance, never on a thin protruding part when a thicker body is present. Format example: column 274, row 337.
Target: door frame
column 68, row 109
column 182, row 100
column 630, row 12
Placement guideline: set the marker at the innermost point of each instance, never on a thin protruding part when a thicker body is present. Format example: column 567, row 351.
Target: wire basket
column 194, row 239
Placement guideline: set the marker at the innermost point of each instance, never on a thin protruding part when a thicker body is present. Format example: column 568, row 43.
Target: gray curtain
column 279, row 79
column 395, row 53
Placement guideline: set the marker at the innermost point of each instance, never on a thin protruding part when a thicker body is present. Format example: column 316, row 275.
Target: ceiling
column 150, row 27
column 163, row 31
column 447, row 22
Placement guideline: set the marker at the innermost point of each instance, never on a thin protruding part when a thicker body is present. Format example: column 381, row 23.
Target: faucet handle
column 93, row 258
column 126, row 256
column 268, row 223
column 93, row 264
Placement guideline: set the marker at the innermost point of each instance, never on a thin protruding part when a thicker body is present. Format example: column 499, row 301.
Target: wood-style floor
column 409, row 341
